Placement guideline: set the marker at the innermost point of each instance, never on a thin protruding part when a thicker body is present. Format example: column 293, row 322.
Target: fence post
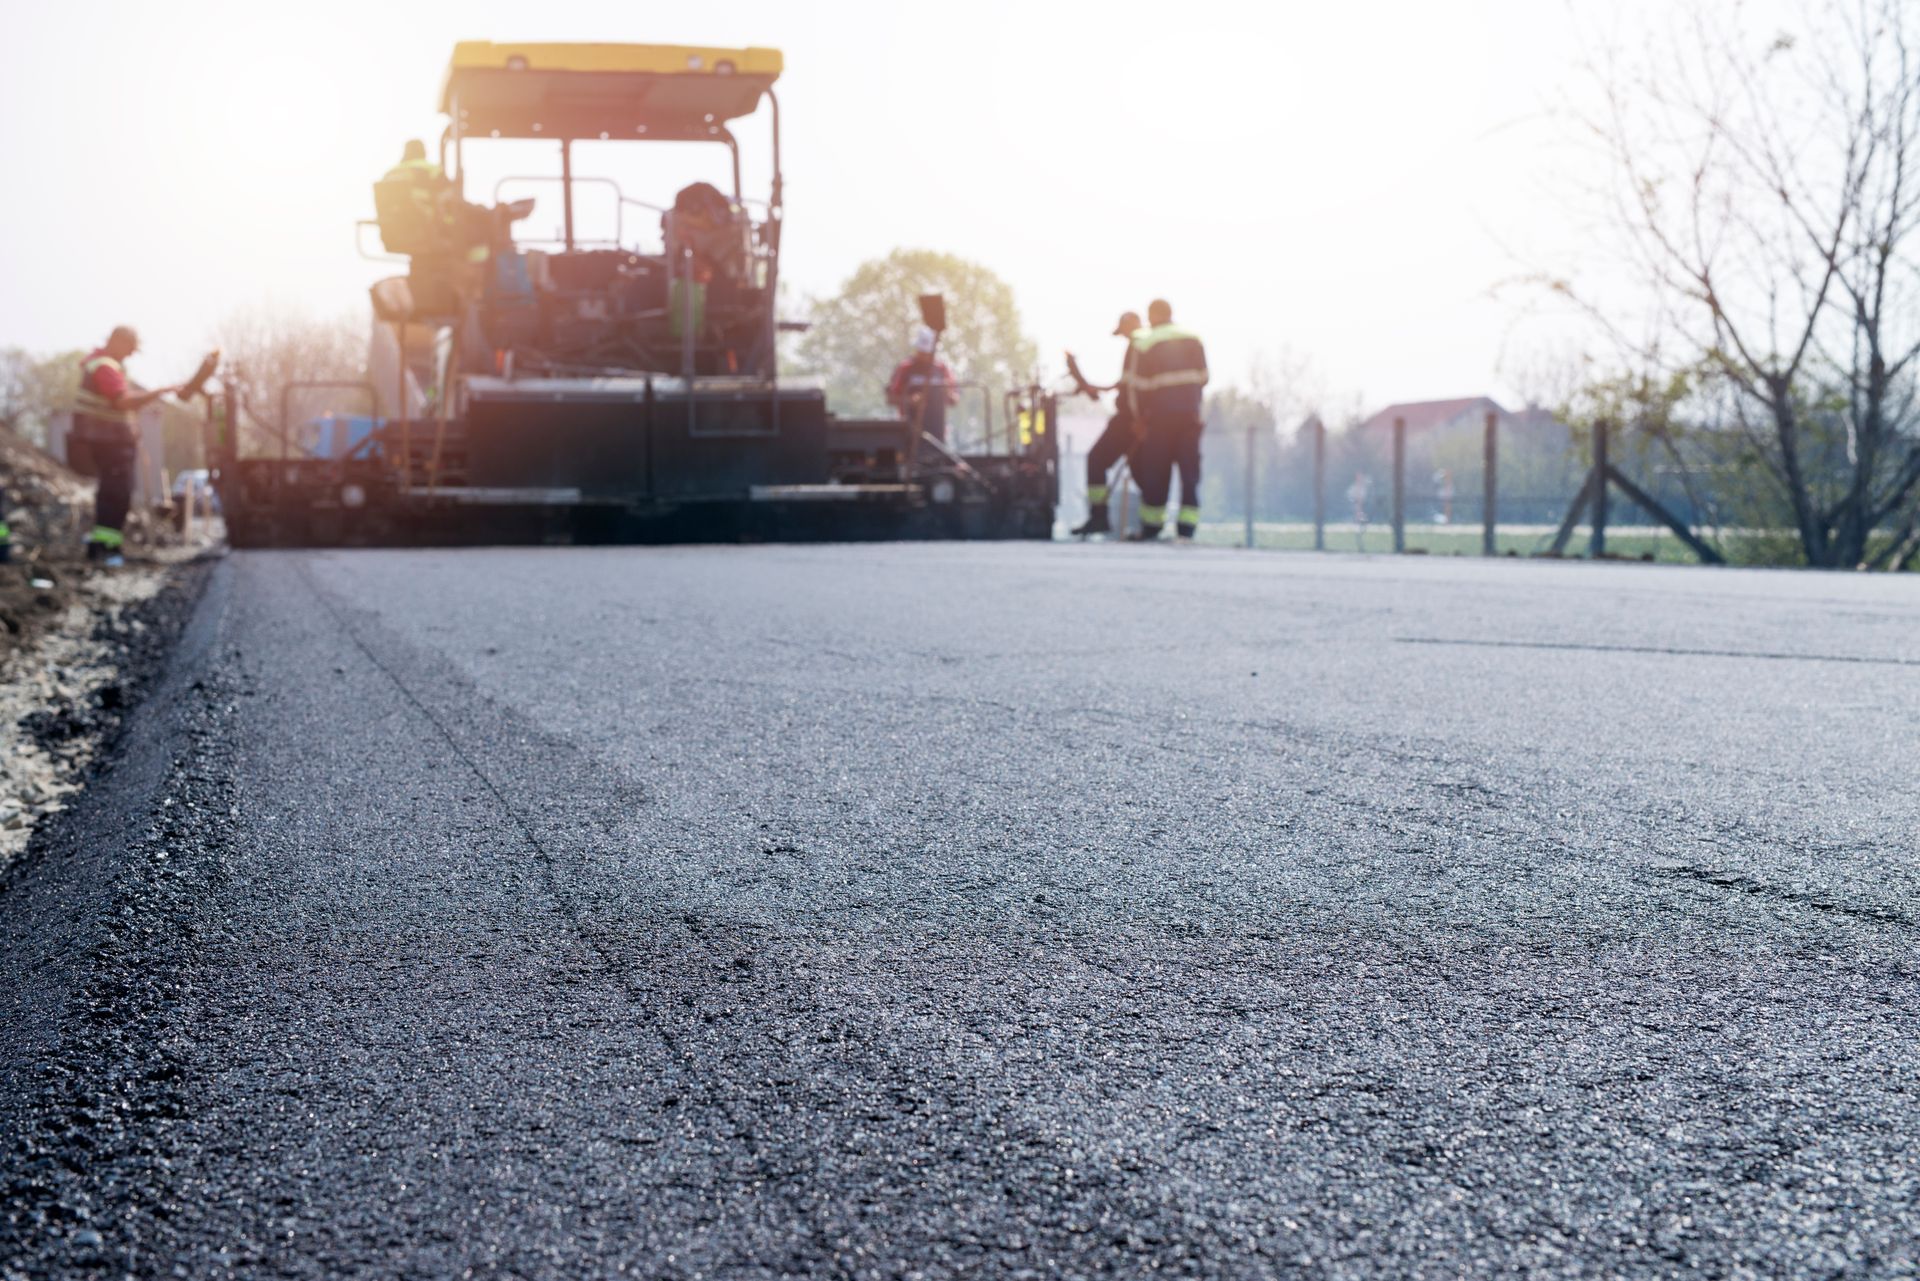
column 1600, row 467
column 1399, row 484
column 229, row 453
column 1490, row 485
column 1319, row 485
column 1253, row 444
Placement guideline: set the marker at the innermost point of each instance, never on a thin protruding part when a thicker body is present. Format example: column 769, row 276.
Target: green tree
column 33, row 388
column 859, row 334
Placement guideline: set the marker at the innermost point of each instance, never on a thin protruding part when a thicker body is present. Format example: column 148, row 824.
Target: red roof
column 1435, row 413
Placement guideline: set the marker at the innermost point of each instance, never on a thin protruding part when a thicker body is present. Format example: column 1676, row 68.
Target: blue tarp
column 336, row 435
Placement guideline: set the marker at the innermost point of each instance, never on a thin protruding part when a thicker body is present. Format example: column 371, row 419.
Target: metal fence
column 1289, row 495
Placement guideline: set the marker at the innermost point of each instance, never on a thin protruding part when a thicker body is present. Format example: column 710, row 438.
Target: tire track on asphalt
column 1665, row 651
column 889, row 1066
column 770, row 1173
column 1718, row 878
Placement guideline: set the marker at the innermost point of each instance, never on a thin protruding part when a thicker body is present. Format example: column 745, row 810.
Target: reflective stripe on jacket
column 1169, row 374
column 90, row 404
column 412, row 168
column 425, row 178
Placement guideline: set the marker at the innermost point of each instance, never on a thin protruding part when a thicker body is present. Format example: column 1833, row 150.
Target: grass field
column 1632, row 541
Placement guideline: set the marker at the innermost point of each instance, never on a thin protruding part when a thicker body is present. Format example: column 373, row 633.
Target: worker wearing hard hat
column 1117, row 441
column 923, row 388
column 422, row 215
column 1165, row 387
column 102, row 443
column 415, row 205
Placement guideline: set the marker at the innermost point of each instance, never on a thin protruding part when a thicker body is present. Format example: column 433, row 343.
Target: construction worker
column 1165, row 388
column 414, row 203
column 102, row 443
column 1117, row 441
column 913, row 382
column 450, row 241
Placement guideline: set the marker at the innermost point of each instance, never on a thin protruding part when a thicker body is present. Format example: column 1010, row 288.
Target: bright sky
column 1350, row 181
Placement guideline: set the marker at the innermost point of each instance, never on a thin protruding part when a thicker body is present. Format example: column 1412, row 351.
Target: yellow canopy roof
column 616, row 90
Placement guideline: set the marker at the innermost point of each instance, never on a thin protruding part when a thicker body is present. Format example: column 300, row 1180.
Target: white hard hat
column 923, row 340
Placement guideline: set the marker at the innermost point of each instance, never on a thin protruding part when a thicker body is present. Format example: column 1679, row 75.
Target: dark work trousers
column 113, row 460
column 934, row 423
column 1165, row 446
column 1115, row 443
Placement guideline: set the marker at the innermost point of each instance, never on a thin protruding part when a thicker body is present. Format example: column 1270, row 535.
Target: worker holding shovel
column 1117, row 441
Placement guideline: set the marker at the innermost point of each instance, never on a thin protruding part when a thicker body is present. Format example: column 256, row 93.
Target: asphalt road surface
column 1010, row 910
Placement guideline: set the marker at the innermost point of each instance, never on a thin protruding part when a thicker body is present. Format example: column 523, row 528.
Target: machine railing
column 620, row 202
column 360, row 242
column 986, row 415
column 285, row 427
column 1031, row 414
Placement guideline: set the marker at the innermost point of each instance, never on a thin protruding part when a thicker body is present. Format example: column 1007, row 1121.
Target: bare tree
column 267, row 347
column 1769, row 188
column 1290, row 383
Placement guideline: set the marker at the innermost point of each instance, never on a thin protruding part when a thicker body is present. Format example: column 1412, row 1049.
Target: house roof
column 1434, row 413
column 1535, row 416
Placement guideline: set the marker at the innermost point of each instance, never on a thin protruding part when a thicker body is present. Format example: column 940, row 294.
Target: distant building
column 1540, row 469
column 1426, row 415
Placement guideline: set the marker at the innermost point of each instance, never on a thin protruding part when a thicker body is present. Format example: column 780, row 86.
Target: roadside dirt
column 45, row 575
column 44, row 504
column 85, row 649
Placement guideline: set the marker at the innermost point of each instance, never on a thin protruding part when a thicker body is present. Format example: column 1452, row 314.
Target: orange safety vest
column 93, row 408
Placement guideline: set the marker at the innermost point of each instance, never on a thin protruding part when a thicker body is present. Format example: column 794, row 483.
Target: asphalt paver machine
column 624, row 388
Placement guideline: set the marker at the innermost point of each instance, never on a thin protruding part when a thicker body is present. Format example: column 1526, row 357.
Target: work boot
column 1147, row 534
column 1184, row 531
column 103, row 544
column 1095, row 523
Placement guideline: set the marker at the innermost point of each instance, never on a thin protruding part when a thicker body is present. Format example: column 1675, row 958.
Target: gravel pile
column 47, row 505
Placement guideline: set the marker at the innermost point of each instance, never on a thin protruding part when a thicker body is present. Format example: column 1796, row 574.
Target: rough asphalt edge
column 140, row 638
column 88, row 1098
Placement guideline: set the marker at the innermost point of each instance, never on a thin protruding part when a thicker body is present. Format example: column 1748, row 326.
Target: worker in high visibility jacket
column 103, row 443
column 422, row 215
column 415, row 204
column 1165, row 388
column 1116, row 442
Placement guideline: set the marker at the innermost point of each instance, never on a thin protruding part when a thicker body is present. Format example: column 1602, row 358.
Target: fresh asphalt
column 1008, row 910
